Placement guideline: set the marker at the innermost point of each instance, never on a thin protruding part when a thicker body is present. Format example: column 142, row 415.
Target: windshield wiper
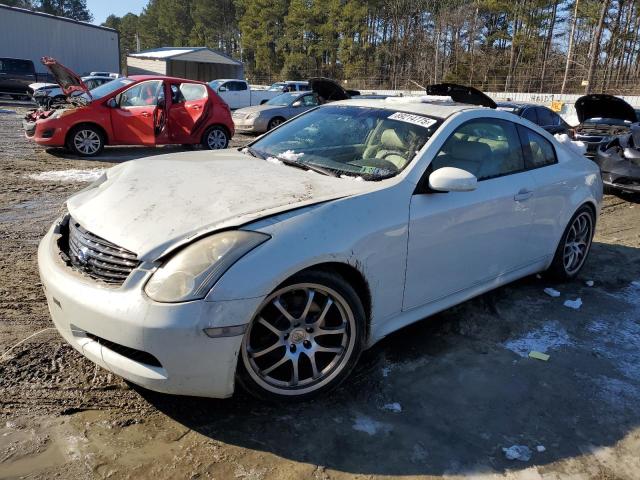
column 308, row 166
column 253, row 152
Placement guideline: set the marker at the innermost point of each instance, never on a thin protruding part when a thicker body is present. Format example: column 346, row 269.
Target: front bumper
column 107, row 324
column 255, row 125
column 46, row 132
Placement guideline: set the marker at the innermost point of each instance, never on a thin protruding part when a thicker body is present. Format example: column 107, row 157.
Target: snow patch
column 351, row 177
column 576, row 146
column 589, row 283
column 392, row 407
column 575, row 304
column 274, row 160
column 368, row 425
column 541, row 448
column 290, row 155
column 552, row 292
column 72, row 175
column 517, row 452
column 552, row 335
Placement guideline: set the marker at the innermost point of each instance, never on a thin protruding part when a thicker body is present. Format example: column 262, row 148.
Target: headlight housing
column 59, row 113
column 190, row 273
column 252, row 115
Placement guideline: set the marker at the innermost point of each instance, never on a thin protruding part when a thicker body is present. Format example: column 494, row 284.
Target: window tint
column 530, row 114
column 545, row 117
column 142, row 95
column 309, row 100
column 537, row 149
column 487, row 148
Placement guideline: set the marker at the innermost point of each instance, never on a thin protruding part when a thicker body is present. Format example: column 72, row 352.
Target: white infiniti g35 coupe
column 275, row 266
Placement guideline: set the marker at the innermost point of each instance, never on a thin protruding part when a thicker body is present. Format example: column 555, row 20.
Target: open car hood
column 329, row 90
column 599, row 105
column 68, row 80
column 461, row 94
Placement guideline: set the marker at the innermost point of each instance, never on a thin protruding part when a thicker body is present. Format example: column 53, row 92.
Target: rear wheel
column 215, row 138
column 85, row 140
column 305, row 339
column 574, row 246
column 274, row 122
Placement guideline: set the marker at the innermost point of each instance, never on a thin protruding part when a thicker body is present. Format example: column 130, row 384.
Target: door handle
column 145, row 114
column 523, row 195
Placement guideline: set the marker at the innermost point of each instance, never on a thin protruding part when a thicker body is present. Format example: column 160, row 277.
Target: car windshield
column 370, row 143
column 109, row 87
column 283, row 100
column 215, row 84
column 278, row 86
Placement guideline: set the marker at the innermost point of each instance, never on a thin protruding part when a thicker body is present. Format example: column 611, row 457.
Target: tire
column 275, row 122
column 85, row 140
column 215, row 138
column 286, row 332
column 576, row 240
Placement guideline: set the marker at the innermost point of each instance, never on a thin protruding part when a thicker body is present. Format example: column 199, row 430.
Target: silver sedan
column 261, row 118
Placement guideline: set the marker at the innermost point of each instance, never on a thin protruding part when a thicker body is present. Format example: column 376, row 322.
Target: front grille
column 97, row 257
column 130, row 353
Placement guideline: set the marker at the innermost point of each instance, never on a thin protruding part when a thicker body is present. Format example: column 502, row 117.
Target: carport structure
column 194, row 63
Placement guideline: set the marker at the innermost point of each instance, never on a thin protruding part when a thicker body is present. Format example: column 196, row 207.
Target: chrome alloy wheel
column 216, row 139
column 87, row 142
column 301, row 339
column 577, row 243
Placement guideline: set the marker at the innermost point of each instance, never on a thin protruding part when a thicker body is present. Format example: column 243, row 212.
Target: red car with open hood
column 135, row 110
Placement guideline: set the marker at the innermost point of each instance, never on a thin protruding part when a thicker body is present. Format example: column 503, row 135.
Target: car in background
column 43, row 93
column 239, row 94
column 105, row 74
column 619, row 161
column 602, row 117
column 15, row 76
column 265, row 117
column 538, row 114
column 290, row 86
column 135, row 110
column 273, row 267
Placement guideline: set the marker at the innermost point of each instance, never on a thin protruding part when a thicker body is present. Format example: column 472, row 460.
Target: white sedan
column 275, row 266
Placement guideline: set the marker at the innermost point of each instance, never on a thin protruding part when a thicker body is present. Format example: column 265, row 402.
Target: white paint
column 552, row 292
column 72, row 175
column 392, row 407
column 550, row 336
column 575, row 304
column 517, row 452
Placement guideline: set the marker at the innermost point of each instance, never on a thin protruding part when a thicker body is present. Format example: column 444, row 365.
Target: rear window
column 14, row 65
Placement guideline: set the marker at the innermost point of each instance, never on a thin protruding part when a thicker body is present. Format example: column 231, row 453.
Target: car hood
column 599, row 105
column 153, row 205
column 68, row 80
column 461, row 94
column 329, row 90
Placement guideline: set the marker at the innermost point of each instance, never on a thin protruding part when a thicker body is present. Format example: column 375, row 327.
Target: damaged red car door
column 137, row 117
column 189, row 104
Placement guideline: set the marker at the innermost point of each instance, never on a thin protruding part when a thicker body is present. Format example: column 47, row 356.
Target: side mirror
column 451, row 179
column 297, row 103
column 222, row 88
column 112, row 103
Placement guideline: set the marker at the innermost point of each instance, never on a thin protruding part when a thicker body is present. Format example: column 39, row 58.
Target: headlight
column 61, row 112
column 191, row 273
column 252, row 115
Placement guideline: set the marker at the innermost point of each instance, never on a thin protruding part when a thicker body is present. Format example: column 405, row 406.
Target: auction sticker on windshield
column 410, row 118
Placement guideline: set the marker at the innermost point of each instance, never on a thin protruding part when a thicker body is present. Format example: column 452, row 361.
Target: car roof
column 140, row 78
column 419, row 105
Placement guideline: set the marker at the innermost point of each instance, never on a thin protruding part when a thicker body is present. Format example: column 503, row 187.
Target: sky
column 101, row 9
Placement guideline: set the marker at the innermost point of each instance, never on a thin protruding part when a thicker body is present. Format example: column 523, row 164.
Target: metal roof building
column 194, row 63
column 81, row 46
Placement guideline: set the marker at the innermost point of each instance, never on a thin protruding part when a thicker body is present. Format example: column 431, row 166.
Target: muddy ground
column 440, row 398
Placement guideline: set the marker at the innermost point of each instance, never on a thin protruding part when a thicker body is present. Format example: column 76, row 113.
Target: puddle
column 24, row 453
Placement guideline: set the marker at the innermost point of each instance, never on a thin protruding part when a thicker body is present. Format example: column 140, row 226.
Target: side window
column 538, row 151
column 309, row 100
column 303, row 88
column 488, row 148
column 143, row 94
column 240, row 86
column 530, row 114
column 545, row 117
column 192, row 91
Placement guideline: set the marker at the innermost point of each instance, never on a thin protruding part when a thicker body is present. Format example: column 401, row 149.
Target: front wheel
column 215, row 138
column 305, row 339
column 574, row 246
column 86, row 141
column 275, row 122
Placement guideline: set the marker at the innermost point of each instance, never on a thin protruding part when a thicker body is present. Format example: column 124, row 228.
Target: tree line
column 76, row 9
column 571, row 46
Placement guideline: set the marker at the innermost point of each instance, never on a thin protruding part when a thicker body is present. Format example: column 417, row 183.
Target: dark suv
column 16, row 74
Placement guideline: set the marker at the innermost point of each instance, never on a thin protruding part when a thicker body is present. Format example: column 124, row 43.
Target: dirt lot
column 441, row 398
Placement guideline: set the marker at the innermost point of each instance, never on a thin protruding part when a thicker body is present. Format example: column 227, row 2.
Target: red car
column 135, row 110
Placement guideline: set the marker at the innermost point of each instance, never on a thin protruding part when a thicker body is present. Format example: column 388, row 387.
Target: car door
column 461, row 239
column 187, row 110
column 133, row 121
